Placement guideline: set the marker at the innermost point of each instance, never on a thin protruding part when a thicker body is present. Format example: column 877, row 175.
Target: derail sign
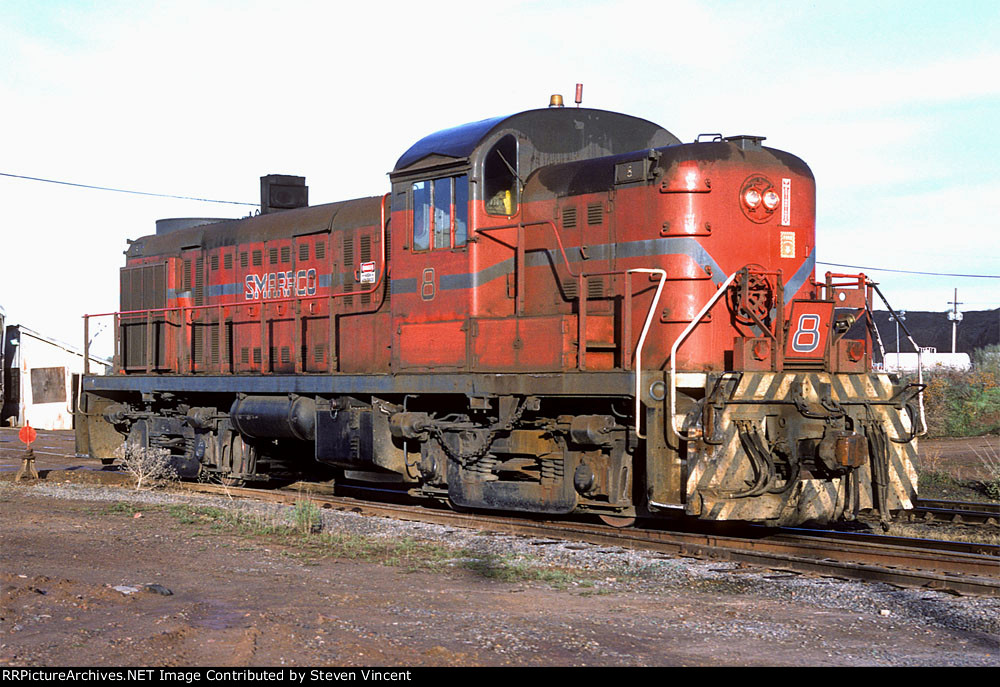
column 280, row 284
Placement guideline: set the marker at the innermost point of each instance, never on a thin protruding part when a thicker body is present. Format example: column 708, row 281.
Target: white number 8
column 807, row 337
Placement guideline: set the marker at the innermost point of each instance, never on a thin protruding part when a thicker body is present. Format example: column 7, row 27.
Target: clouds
column 893, row 106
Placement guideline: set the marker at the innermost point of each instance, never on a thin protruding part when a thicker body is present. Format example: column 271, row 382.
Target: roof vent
column 744, row 142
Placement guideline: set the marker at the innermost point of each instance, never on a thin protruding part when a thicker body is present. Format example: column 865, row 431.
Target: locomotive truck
column 564, row 310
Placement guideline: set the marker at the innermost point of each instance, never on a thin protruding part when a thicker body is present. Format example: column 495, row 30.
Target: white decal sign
column 786, row 202
column 787, row 244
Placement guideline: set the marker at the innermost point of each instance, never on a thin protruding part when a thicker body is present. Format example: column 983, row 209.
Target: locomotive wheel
column 618, row 520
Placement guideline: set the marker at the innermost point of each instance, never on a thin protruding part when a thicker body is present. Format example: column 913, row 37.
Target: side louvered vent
column 227, row 261
column 304, row 251
column 595, row 214
column 199, row 282
column 595, row 287
column 320, row 250
column 348, row 250
column 569, row 218
column 244, row 260
column 569, row 289
column 286, row 254
column 273, row 256
column 388, row 252
column 349, row 300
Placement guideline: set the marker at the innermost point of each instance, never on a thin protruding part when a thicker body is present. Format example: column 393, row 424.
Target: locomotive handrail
column 521, row 225
column 581, row 344
column 687, row 330
column 920, row 362
column 642, row 339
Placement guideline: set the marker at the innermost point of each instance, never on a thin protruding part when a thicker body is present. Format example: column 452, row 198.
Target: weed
column 991, row 462
column 307, row 517
column 149, row 467
column 299, row 528
column 517, row 569
column 122, row 507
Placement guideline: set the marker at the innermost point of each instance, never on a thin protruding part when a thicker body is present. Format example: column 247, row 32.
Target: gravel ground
column 714, row 606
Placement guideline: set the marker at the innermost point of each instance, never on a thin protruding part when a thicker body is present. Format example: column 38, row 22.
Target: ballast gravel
column 604, row 570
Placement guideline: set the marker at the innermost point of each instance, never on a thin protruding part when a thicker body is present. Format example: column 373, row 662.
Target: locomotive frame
column 563, row 310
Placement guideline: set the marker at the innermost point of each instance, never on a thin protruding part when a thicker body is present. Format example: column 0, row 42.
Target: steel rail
column 959, row 506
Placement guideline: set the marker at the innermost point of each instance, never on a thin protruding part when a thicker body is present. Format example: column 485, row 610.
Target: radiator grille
column 142, row 288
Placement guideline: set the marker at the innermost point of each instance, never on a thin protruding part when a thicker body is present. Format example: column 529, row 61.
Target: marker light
column 752, row 197
column 771, row 199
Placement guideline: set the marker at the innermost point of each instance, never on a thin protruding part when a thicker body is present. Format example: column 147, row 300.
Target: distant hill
column 978, row 328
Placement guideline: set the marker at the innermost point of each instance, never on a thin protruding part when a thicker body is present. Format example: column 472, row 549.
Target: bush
column 149, row 467
column 962, row 404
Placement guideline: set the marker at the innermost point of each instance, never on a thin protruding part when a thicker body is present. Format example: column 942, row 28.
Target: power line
column 236, row 202
column 122, row 190
column 933, row 274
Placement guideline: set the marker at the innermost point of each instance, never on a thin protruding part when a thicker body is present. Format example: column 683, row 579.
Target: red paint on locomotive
column 500, row 295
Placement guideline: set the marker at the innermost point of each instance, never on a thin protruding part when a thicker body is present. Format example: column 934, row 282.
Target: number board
column 808, row 330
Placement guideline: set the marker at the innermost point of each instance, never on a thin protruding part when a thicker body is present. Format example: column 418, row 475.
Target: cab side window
column 440, row 213
column 500, row 177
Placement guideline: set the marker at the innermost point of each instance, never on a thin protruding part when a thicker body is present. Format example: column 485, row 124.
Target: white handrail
column 673, row 349
column 642, row 339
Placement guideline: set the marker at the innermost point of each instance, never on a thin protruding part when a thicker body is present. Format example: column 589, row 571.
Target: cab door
column 431, row 281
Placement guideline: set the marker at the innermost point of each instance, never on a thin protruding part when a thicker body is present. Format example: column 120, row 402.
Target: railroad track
column 966, row 512
column 957, row 567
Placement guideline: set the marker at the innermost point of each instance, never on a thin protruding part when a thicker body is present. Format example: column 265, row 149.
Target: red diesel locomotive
column 565, row 310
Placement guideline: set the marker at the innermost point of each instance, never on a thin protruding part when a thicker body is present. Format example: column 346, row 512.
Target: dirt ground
column 238, row 599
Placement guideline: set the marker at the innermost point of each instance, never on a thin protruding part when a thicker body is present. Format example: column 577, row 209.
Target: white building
column 41, row 379
column 931, row 359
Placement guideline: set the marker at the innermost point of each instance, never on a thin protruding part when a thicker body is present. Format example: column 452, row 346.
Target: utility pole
column 955, row 318
column 901, row 318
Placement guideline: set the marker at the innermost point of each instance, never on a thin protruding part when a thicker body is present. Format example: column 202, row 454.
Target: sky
column 894, row 105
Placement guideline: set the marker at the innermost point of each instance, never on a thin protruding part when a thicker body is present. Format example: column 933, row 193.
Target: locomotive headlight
column 771, row 199
column 752, row 197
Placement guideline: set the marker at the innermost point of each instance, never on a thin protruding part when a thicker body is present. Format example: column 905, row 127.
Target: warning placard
column 366, row 275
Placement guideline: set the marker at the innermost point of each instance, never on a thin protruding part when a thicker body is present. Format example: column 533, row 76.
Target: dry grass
column 991, row 463
column 148, row 467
